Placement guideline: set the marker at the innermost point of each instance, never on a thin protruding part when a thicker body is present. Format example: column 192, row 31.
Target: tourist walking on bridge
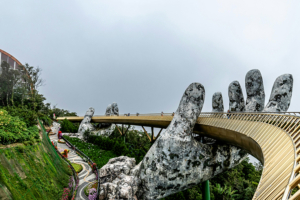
column 228, row 115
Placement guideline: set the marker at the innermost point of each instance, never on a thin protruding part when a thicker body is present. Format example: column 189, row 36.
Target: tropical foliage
column 69, row 127
column 13, row 130
column 238, row 183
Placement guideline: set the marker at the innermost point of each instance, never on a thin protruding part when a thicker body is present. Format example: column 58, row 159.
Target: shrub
column 46, row 120
column 13, row 130
column 68, row 127
column 26, row 115
column 86, row 135
column 119, row 147
column 21, row 149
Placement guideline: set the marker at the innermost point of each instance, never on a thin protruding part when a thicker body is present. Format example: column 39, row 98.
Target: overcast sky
column 143, row 54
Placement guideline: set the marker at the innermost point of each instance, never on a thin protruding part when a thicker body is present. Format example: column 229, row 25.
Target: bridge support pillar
column 205, row 190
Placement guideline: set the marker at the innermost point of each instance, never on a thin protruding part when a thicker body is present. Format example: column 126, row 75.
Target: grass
column 78, row 168
column 97, row 155
column 32, row 172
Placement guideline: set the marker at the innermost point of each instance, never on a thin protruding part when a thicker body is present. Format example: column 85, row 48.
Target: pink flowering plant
column 92, row 194
column 66, row 194
column 67, row 191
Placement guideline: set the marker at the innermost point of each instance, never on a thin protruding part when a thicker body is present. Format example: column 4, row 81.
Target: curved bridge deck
column 274, row 139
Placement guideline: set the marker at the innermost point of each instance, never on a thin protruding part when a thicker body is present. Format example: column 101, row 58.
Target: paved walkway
column 86, row 176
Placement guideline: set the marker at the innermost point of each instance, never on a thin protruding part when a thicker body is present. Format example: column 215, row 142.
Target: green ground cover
column 94, row 152
column 30, row 172
column 78, row 168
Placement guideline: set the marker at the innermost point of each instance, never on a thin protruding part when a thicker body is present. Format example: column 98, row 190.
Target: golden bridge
column 273, row 138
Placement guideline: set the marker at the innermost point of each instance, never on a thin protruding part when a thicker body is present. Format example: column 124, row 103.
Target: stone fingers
column 281, row 94
column 217, row 102
column 255, row 91
column 236, row 97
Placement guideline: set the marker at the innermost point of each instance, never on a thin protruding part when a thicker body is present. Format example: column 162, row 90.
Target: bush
column 119, row 147
column 46, row 120
column 26, row 115
column 13, row 130
column 68, row 127
column 86, row 135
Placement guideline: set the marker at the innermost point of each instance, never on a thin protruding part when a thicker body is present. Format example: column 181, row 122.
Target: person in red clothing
column 59, row 135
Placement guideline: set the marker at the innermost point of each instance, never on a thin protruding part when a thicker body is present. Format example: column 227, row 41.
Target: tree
column 9, row 80
column 35, row 81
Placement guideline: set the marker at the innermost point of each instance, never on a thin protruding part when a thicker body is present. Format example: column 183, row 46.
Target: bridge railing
column 232, row 112
column 286, row 121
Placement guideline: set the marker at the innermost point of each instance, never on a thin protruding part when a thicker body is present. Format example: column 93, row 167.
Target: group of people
column 137, row 114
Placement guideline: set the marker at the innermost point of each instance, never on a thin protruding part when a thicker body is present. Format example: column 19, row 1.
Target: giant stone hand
column 176, row 161
column 86, row 122
column 115, row 109
column 106, row 128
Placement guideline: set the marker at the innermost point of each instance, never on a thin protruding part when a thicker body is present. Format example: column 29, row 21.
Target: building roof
column 4, row 52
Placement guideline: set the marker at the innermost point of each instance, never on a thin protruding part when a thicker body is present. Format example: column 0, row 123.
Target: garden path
column 86, row 176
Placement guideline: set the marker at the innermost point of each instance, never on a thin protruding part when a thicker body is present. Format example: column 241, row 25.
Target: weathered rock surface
column 281, row 95
column 116, row 166
column 111, row 110
column 236, row 97
column 176, row 161
column 86, row 122
column 217, row 102
column 108, row 110
column 117, row 181
column 106, row 131
column 255, row 91
column 55, row 127
column 114, row 109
